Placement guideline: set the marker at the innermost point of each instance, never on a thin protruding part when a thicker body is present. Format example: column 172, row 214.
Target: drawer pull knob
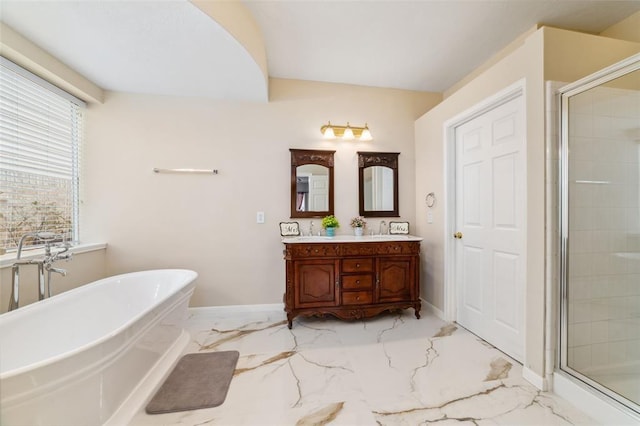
column 357, row 265
column 357, row 281
column 357, row 297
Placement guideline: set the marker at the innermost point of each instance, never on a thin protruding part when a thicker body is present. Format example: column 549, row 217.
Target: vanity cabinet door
column 316, row 283
column 396, row 279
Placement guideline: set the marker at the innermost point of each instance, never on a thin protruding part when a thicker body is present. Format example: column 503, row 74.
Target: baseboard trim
column 240, row 308
column 432, row 309
column 535, row 379
column 426, row 306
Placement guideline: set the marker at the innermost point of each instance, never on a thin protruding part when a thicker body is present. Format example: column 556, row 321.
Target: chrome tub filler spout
column 53, row 252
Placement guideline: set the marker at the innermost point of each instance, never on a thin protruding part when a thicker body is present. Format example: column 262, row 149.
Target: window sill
column 8, row 259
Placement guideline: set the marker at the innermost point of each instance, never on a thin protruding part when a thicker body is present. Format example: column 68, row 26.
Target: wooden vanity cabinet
column 396, row 279
column 317, row 281
column 351, row 280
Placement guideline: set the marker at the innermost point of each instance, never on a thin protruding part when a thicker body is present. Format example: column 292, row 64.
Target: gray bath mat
column 197, row 381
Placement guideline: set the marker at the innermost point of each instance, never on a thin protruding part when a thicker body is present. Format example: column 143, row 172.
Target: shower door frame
column 605, row 75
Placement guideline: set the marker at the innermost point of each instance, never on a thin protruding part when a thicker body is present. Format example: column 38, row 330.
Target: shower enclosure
column 600, row 231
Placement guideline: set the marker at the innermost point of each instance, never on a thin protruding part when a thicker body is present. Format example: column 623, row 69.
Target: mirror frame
column 385, row 159
column 300, row 157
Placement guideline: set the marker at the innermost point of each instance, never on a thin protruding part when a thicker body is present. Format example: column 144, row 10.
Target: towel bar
column 204, row 171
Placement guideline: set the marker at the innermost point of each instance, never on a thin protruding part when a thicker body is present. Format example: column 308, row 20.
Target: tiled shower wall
column 604, row 228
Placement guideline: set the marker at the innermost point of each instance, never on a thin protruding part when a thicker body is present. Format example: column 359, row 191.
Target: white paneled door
column 490, row 226
column 318, row 193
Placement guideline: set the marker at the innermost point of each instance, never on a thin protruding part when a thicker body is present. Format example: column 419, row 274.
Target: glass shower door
column 601, row 234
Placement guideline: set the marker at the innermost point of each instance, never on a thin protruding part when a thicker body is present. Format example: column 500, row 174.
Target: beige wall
column 208, row 223
column 569, row 55
column 83, row 268
column 546, row 54
column 627, row 29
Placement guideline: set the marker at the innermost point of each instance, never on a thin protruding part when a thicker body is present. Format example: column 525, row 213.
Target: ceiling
column 173, row 48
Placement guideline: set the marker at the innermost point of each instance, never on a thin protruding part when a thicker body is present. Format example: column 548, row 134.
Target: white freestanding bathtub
column 74, row 358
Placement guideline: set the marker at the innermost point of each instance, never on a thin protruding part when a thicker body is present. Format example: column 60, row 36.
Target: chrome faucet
column 383, row 228
column 43, row 263
column 50, row 258
column 311, row 228
column 62, row 272
column 14, row 303
column 59, row 255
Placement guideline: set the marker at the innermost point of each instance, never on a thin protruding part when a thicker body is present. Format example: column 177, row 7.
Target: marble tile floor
column 388, row 370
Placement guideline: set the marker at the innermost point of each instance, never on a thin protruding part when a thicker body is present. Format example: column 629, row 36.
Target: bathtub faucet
column 43, row 264
column 62, row 272
column 51, row 257
column 63, row 254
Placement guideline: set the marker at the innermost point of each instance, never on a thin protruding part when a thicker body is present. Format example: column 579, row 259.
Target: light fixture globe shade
column 328, row 133
column 366, row 134
column 348, row 133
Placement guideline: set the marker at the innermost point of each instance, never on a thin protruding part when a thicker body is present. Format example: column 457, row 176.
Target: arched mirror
column 378, row 184
column 311, row 183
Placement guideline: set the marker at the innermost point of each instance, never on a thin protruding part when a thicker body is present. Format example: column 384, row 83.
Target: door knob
column 458, row 235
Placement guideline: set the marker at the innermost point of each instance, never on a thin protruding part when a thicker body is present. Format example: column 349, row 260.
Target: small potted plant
column 330, row 223
column 358, row 223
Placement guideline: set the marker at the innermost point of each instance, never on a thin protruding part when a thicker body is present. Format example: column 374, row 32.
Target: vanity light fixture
column 328, row 132
column 348, row 132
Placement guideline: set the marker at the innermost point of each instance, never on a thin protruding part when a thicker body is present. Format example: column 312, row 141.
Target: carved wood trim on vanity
column 351, row 280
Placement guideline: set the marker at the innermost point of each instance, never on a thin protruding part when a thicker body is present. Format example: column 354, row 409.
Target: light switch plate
column 260, row 217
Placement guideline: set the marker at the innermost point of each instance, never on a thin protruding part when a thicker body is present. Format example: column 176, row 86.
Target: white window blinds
column 40, row 139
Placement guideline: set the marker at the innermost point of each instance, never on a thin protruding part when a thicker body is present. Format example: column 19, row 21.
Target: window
column 40, row 139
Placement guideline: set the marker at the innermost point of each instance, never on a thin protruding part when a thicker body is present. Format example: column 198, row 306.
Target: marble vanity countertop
column 349, row 239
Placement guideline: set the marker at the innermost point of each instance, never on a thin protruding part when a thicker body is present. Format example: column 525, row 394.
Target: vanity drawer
column 303, row 251
column 356, row 282
column 357, row 265
column 357, row 297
